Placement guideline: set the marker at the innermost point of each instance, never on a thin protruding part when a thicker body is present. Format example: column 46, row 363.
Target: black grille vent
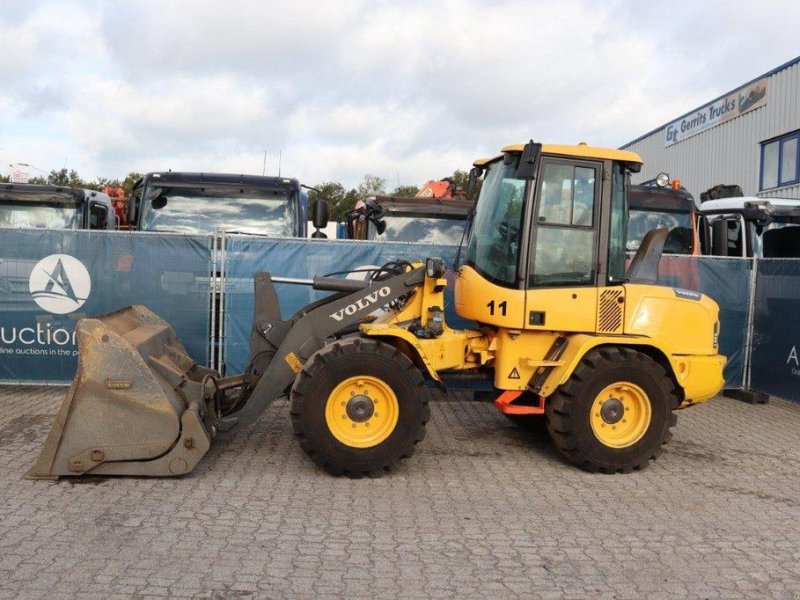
column 609, row 314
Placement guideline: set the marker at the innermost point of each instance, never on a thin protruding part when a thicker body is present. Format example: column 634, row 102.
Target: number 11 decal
column 502, row 306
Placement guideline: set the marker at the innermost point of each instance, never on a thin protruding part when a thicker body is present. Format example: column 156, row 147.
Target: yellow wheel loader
column 562, row 331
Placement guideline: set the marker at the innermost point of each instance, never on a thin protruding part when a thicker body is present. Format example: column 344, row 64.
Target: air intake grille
column 609, row 313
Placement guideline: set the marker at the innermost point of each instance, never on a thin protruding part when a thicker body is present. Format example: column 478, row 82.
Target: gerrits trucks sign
column 731, row 106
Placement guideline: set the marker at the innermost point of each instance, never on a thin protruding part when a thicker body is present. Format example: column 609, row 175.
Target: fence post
column 223, row 249
column 746, row 394
column 212, row 351
column 751, row 309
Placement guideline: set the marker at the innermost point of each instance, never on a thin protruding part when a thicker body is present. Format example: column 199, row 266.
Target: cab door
column 564, row 256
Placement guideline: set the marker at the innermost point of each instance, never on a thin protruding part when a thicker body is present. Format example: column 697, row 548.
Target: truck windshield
column 421, row 229
column 494, row 241
column 39, row 215
column 678, row 223
column 198, row 211
column 778, row 239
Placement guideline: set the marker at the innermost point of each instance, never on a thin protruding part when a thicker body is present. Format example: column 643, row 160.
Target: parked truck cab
column 24, row 205
column 199, row 203
column 652, row 207
column 753, row 227
column 408, row 219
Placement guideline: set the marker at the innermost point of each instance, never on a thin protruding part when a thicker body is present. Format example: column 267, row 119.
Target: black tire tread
column 314, row 367
column 562, row 404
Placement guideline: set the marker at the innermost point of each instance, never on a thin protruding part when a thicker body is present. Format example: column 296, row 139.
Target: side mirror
column 719, row 237
column 704, row 233
column 375, row 210
column 321, row 213
column 529, row 161
column 320, row 220
column 159, row 201
column 133, row 202
column 474, row 175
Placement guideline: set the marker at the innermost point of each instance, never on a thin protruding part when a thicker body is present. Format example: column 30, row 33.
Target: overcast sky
column 406, row 90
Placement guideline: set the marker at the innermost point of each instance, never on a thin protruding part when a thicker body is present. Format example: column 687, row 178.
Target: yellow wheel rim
column 621, row 414
column 362, row 411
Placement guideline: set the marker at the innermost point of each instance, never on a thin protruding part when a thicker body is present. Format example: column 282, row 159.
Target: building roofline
column 785, row 65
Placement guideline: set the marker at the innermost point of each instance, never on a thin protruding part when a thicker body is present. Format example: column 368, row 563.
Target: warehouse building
column 749, row 136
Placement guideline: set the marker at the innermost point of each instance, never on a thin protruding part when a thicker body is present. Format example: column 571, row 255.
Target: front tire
column 614, row 413
column 358, row 407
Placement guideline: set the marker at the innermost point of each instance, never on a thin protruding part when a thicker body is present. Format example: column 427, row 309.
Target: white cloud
column 416, row 89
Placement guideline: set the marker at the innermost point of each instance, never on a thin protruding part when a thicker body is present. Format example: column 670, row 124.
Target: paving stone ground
column 482, row 509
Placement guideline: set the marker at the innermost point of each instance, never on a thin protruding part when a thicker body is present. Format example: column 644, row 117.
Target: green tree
column 407, row 191
column 371, row 186
column 347, row 204
column 37, row 180
column 5, row 179
column 130, row 180
column 99, row 183
column 332, row 191
column 460, row 179
column 63, row 177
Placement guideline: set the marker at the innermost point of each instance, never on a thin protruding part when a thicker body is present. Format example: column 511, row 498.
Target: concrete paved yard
column 482, row 509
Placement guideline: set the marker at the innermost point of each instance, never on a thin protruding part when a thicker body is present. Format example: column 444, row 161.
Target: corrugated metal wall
column 731, row 152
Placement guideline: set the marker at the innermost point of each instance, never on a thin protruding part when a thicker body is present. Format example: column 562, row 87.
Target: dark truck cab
column 410, row 219
column 200, row 203
column 651, row 207
column 24, row 205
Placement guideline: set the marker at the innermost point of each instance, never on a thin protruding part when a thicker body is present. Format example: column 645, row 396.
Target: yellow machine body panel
column 686, row 326
column 452, row 349
column 485, row 302
column 681, row 326
column 568, row 309
column 684, row 321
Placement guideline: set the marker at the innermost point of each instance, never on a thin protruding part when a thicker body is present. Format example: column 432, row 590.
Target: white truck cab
column 747, row 226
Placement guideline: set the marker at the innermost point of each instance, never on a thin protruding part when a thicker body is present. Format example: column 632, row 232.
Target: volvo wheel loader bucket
column 136, row 406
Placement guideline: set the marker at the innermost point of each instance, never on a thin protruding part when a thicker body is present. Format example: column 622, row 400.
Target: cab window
column 564, row 236
column 98, row 216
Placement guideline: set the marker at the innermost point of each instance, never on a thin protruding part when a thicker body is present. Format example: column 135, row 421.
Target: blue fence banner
column 775, row 358
column 50, row 279
column 246, row 255
column 727, row 281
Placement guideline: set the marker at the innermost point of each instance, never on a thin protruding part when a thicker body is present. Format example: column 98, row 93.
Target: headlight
column 662, row 180
column 434, row 267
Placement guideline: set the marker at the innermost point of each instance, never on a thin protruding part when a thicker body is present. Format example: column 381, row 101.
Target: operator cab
column 550, row 219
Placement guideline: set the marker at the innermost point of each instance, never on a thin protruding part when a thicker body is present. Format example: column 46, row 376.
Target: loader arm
column 294, row 341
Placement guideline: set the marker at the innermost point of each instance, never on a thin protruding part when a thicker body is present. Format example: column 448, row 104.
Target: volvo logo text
column 361, row 303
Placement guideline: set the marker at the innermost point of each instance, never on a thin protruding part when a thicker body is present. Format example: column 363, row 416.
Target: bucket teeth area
column 135, row 398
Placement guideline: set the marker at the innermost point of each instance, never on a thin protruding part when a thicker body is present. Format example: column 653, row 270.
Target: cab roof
column 577, row 151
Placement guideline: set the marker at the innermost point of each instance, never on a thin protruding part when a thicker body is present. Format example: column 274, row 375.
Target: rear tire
column 358, row 407
column 614, row 414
